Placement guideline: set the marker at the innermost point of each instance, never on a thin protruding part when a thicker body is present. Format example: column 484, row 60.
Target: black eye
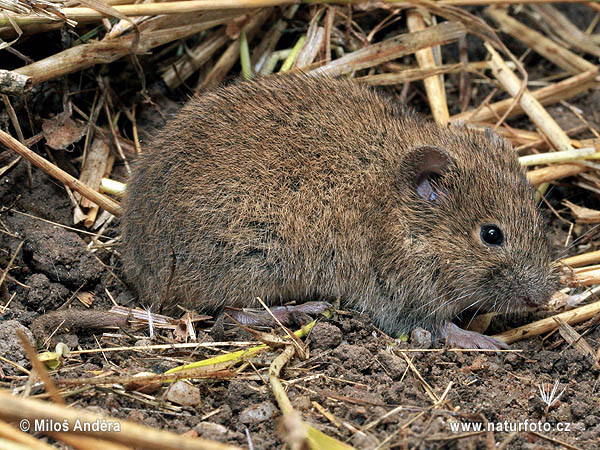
column 491, row 235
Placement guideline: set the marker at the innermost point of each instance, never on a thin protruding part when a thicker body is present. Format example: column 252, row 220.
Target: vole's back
column 295, row 188
column 264, row 189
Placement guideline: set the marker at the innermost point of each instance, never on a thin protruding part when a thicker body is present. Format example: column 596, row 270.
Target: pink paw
column 456, row 337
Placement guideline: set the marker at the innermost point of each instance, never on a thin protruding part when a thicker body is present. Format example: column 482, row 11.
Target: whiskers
column 449, row 301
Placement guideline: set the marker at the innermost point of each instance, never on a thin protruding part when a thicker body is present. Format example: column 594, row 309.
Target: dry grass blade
column 555, row 441
column 11, row 435
column 113, row 187
column 105, row 202
column 406, row 75
column 548, row 95
column 528, row 102
column 232, row 54
column 297, row 434
column 582, row 214
column 274, row 370
column 553, row 173
column 143, row 348
column 311, row 47
column 216, row 371
column 93, row 170
column 84, row 442
column 39, row 368
column 559, row 55
column 87, row 55
column 238, row 356
column 48, row 9
column 583, row 259
column 526, row 139
column 263, row 51
column 572, row 317
column 548, row 394
column 569, row 155
column 426, row 386
column 109, row 11
column 434, row 85
column 504, row 2
column 149, row 9
column 182, row 69
column 566, row 30
column 586, row 276
column 10, row 263
column 574, row 339
column 392, row 48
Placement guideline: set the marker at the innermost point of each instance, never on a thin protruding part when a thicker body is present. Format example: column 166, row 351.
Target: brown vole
column 299, row 188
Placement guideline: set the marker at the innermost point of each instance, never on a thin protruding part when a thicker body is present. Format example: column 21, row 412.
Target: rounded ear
column 430, row 163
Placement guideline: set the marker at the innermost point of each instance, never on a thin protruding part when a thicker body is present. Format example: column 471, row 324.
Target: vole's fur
column 297, row 188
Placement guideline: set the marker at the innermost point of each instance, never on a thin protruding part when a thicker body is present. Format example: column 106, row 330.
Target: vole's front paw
column 456, row 337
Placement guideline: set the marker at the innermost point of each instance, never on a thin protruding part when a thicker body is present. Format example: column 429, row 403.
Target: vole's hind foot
column 456, row 337
column 290, row 316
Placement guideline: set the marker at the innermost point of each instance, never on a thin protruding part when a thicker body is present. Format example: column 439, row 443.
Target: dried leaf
column 582, row 214
column 62, row 131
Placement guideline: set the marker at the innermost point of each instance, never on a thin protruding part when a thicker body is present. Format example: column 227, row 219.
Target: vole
column 302, row 188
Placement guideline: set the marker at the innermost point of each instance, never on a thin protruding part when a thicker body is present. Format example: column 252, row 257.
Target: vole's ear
column 430, row 164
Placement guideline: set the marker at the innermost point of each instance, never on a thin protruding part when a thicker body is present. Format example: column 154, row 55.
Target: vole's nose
column 534, row 295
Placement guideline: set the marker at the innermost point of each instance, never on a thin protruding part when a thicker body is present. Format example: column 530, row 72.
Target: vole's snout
column 536, row 291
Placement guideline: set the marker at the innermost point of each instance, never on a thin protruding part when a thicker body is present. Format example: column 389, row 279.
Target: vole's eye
column 492, row 235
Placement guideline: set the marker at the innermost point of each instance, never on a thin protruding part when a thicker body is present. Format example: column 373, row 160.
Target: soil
column 377, row 390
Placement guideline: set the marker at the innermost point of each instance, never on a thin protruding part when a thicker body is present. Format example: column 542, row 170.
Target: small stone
column 210, row 427
column 325, row 335
column 258, row 413
column 591, row 420
column 183, row 394
column 212, row 431
column 364, row 440
column 217, row 432
column 10, row 346
column 512, row 359
column 301, row 403
column 44, row 295
column 420, row 338
column 394, row 366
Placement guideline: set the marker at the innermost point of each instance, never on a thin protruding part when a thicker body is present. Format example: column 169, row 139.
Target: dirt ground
column 377, row 391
